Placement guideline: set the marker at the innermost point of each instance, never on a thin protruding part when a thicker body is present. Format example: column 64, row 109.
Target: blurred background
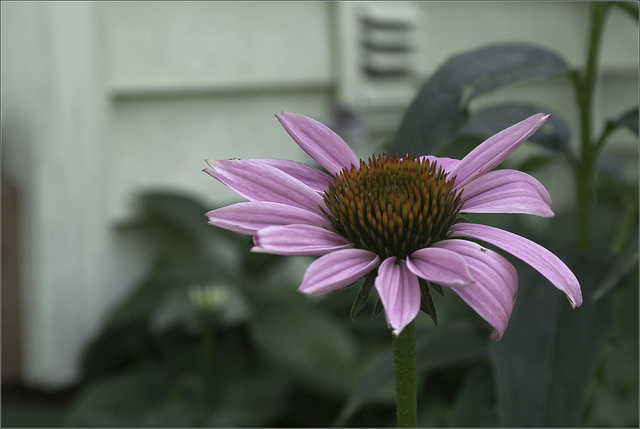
column 121, row 307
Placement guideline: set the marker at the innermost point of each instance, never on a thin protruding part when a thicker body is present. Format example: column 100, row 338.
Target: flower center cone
column 393, row 205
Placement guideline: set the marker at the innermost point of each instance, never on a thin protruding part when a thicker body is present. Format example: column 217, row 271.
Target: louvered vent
column 378, row 76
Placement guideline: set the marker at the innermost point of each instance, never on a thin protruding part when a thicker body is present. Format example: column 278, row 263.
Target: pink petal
column 298, row 240
column 489, row 154
column 504, row 201
column 548, row 264
column 494, row 292
column 247, row 218
column 506, row 191
column 322, row 144
column 337, row 270
column 257, row 181
column 447, row 164
column 399, row 292
column 440, row 266
column 497, row 178
column 312, row 177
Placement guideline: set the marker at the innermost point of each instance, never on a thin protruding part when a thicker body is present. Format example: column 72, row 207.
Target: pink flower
column 395, row 217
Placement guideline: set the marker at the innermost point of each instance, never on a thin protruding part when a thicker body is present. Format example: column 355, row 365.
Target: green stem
column 202, row 406
column 585, row 87
column 404, row 361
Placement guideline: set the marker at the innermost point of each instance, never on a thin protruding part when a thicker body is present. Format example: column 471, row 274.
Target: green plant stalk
column 202, row 406
column 404, row 362
column 585, row 88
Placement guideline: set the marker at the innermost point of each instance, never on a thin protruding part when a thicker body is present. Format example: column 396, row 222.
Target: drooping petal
column 249, row 217
column 312, row 177
column 494, row 291
column 337, row 270
column 548, row 264
column 440, row 266
column 320, row 142
column 257, row 181
column 489, row 154
column 298, row 240
column 399, row 292
column 506, row 191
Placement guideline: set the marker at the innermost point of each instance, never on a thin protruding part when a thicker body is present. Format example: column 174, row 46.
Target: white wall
column 103, row 100
column 205, row 81
column 53, row 111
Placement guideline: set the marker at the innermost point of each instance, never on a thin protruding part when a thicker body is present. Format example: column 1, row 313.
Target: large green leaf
column 191, row 383
column 252, row 400
column 441, row 106
column 318, row 351
column 555, row 134
column 177, row 210
column 614, row 401
column 474, row 404
column 545, row 361
column 436, row 347
column 120, row 400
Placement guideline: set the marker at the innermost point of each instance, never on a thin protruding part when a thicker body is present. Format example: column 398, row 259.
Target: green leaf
column 30, row 415
column 177, row 221
column 441, row 106
column 555, row 134
column 620, row 269
column 120, row 400
column 178, row 210
column 188, row 384
column 631, row 8
column 317, row 350
column 177, row 270
column 263, row 393
column 126, row 332
column 545, row 361
column 474, row 403
column 437, row 288
column 614, row 401
column 630, row 119
column 436, row 347
column 426, row 301
column 433, row 413
column 363, row 294
column 377, row 309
